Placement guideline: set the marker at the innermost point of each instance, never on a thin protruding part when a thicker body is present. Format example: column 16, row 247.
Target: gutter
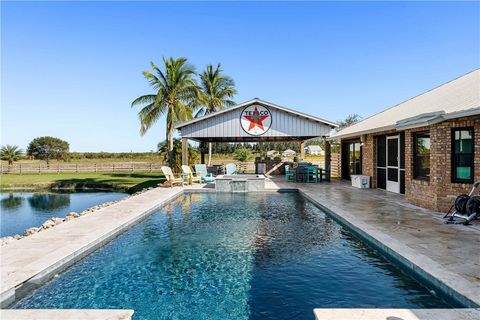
column 399, row 127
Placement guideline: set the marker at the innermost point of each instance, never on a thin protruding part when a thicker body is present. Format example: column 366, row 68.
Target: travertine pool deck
column 396, row 314
column 66, row 314
column 448, row 253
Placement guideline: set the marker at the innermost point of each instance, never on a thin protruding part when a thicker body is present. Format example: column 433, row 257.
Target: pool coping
column 388, row 313
column 66, row 314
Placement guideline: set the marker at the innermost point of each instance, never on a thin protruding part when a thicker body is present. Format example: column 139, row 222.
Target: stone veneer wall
column 439, row 192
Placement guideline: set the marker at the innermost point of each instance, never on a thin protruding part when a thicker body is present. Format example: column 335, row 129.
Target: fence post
column 58, row 168
column 20, row 168
column 150, row 167
column 76, row 168
column 95, row 166
column 39, row 168
column 113, row 167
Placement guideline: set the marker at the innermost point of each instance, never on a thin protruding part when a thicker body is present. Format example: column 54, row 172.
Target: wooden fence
column 335, row 164
column 20, row 168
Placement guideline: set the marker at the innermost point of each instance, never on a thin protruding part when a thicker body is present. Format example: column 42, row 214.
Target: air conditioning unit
column 360, row 181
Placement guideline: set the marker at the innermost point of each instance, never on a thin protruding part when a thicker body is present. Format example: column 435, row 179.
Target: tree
column 11, row 202
column 349, row 120
column 10, row 153
column 243, row 155
column 176, row 96
column 217, row 91
column 47, row 148
column 176, row 165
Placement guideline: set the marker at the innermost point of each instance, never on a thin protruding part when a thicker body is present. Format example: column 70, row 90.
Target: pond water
column 234, row 256
column 23, row 210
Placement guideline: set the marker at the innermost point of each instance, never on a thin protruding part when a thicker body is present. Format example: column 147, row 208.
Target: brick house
column 427, row 148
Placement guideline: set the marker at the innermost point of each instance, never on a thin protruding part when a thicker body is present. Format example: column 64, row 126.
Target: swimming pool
column 234, row 256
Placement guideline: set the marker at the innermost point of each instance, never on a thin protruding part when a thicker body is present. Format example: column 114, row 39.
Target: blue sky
column 71, row 70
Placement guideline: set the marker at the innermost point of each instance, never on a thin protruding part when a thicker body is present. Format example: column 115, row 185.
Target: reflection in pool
column 22, row 210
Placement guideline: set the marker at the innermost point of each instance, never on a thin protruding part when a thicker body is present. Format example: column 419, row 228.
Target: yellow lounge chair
column 171, row 179
column 192, row 177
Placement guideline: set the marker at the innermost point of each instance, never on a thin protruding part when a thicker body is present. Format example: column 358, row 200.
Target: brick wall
column 439, row 192
column 419, row 192
column 368, row 156
column 446, row 191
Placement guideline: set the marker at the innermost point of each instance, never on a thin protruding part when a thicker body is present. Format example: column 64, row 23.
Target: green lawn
column 130, row 182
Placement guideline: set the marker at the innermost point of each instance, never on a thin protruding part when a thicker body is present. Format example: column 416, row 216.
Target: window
column 351, row 158
column 462, row 155
column 421, row 155
column 355, row 158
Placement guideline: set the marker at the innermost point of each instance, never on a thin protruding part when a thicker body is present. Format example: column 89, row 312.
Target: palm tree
column 217, row 90
column 10, row 153
column 176, row 96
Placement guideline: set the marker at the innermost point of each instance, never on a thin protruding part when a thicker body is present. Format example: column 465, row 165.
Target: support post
column 184, row 151
column 302, row 149
column 328, row 159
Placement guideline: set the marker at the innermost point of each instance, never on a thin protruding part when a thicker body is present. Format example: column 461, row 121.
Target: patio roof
column 282, row 124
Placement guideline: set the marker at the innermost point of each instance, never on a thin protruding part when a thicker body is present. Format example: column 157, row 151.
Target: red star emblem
column 256, row 120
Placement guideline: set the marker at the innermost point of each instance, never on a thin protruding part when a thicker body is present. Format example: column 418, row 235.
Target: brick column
column 328, row 158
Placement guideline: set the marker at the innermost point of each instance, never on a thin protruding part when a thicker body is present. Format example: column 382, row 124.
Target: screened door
column 393, row 164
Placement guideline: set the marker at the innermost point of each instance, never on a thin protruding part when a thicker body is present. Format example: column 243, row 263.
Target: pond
column 23, row 210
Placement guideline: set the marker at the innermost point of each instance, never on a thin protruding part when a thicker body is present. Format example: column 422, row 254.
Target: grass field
column 130, row 182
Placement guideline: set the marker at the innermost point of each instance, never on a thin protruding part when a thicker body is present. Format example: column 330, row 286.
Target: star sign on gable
column 256, row 120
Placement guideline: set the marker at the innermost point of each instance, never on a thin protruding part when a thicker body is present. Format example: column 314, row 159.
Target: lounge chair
column 201, row 169
column 171, row 178
column 192, row 177
column 230, row 168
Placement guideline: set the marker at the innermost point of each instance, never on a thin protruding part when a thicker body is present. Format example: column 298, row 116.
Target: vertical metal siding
column 228, row 125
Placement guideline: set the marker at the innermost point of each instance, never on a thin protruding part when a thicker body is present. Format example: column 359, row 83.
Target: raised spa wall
column 240, row 183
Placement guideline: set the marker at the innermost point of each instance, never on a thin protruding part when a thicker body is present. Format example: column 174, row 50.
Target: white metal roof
column 314, row 148
column 262, row 102
column 457, row 98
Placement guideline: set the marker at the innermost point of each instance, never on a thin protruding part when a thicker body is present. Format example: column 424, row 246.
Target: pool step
column 394, row 314
column 66, row 314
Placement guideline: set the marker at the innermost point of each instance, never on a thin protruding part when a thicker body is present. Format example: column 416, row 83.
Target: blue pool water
column 233, row 256
column 23, row 210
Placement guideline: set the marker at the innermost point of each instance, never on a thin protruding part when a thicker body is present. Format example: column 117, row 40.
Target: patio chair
column 289, row 174
column 325, row 174
column 192, row 177
column 311, row 175
column 230, row 168
column 171, row 178
column 201, row 169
